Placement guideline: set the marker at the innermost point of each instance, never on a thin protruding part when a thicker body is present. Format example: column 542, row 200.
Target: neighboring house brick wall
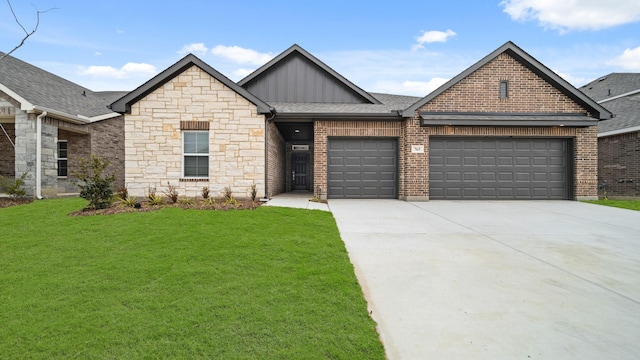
column 107, row 142
column 7, row 154
column 276, row 154
column 153, row 140
column 77, row 148
column 324, row 129
column 619, row 164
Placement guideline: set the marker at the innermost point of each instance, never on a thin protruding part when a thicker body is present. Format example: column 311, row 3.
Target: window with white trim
column 62, row 158
column 195, row 152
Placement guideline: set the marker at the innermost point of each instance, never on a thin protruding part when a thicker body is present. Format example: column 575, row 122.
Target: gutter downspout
column 39, row 155
column 266, row 153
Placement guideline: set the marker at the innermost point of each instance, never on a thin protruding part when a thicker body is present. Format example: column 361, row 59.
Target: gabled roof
column 40, row 90
column 532, row 64
column 123, row 104
column 297, row 52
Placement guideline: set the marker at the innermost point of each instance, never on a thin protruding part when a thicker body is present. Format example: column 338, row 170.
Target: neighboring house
column 505, row 128
column 619, row 137
column 48, row 124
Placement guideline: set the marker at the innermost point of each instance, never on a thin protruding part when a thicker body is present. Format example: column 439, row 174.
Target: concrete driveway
column 497, row 279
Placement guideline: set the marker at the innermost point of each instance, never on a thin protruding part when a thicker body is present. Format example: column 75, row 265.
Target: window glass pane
column 62, row 150
column 190, row 143
column 197, row 166
column 196, row 142
column 203, row 142
column 62, row 167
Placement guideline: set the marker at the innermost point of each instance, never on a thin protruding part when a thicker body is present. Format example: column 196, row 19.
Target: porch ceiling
column 296, row 132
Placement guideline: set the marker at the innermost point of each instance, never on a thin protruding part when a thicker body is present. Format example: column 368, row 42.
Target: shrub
column 94, row 186
column 153, row 198
column 172, row 193
column 15, row 187
column 227, row 196
column 254, row 192
column 123, row 193
column 185, row 201
column 129, row 201
column 205, row 192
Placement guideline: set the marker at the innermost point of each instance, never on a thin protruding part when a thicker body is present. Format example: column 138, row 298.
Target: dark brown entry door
column 300, row 166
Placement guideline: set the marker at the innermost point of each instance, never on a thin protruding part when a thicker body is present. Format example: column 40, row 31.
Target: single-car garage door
column 498, row 168
column 362, row 168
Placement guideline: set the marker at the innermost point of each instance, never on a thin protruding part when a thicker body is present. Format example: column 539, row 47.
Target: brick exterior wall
column 479, row 92
column 153, row 139
column 7, row 153
column 78, row 147
column 619, row 165
column 325, row 129
column 528, row 93
column 107, row 141
column 276, row 156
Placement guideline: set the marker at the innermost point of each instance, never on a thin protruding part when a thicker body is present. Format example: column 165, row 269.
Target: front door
column 300, row 167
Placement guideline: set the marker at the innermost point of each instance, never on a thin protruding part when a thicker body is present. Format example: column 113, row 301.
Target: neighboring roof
column 627, row 116
column 620, row 94
column 123, row 104
column 274, row 71
column 612, row 85
column 386, row 106
column 532, row 64
column 37, row 89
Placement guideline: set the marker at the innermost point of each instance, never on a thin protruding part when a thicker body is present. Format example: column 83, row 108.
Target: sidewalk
column 298, row 200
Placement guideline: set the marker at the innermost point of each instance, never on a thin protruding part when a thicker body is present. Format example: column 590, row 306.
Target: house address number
column 417, row 149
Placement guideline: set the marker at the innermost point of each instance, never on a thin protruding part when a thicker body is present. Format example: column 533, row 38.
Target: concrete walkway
column 297, row 200
column 497, row 280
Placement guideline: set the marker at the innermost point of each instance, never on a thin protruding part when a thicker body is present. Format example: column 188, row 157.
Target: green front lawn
column 625, row 204
column 271, row 283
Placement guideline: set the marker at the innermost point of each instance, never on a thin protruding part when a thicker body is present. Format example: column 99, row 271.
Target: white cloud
column 129, row 70
column 569, row 15
column 241, row 55
column 629, row 60
column 241, row 73
column 415, row 88
column 433, row 36
column 573, row 80
column 195, row 48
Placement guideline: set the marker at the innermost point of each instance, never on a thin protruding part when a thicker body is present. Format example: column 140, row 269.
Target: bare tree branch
column 27, row 33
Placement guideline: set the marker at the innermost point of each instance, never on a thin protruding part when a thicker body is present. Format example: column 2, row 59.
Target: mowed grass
column 625, row 204
column 273, row 283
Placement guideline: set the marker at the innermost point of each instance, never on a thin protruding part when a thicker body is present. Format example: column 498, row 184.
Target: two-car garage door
column 459, row 168
column 499, row 168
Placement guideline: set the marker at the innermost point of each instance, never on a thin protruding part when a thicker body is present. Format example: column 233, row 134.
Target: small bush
column 153, row 198
column 185, row 201
column 205, row 192
column 172, row 193
column 254, row 192
column 227, row 196
column 129, row 201
column 209, row 201
column 94, row 186
column 122, row 193
column 15, row 187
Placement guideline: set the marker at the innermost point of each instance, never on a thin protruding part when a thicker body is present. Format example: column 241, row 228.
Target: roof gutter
column 337, row 116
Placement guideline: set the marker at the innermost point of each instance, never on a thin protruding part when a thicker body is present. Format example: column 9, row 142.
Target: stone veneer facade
column 477, row 93
column 153, row 139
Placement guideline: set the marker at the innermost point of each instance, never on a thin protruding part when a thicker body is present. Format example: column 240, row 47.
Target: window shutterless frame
column 61, row 155
column 195, row 154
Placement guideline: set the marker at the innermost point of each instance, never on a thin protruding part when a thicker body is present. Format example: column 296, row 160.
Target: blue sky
column 398, row 47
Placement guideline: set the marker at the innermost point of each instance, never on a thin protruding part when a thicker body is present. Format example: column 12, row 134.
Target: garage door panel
column 498, row 168
column 368, row 169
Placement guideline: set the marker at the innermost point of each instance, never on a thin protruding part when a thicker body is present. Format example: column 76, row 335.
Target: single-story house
column 619, row 137
column 505, row 128
column 48, row 123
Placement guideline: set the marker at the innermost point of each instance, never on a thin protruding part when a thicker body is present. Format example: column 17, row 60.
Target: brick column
column 586, row 163
column 415, row 175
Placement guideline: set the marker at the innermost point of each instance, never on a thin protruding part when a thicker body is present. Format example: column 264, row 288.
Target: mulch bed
column 7, row 201
column 117, row 207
